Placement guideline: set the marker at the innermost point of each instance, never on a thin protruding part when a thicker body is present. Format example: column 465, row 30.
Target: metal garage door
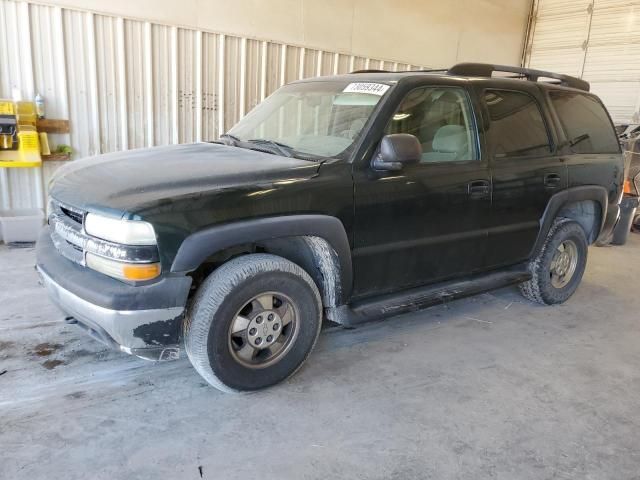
column 598, row 40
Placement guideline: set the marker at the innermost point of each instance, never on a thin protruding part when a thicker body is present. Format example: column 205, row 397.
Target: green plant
column 62, row 148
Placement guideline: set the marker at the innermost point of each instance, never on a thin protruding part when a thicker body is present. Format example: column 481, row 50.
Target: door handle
column 479, row 188
column 551, row 180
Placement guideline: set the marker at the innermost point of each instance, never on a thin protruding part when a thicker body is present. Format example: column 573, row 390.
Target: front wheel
column 557, row 270
column 253, row 322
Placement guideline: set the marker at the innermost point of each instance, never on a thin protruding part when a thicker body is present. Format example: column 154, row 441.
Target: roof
column 472, row 71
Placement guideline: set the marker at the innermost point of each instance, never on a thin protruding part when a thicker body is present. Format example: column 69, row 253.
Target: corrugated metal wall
column 127, row 84
column 598, row 40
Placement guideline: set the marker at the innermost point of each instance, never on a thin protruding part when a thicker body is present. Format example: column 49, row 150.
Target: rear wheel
column 253, row 322
column 557, row 270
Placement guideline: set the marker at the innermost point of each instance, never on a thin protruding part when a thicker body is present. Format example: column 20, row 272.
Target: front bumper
column 140, row 320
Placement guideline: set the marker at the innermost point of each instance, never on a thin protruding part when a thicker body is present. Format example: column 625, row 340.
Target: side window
column 441, row 119
column 517, row 127
column 585, row 122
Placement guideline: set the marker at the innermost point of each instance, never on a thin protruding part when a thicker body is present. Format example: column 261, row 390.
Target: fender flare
column 596, row 193
column 198, row 246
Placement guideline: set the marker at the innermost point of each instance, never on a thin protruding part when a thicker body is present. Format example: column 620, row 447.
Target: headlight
column 126, row 232
column 137, row 272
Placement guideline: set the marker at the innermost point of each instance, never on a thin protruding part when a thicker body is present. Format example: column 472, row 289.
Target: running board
column 422, row 297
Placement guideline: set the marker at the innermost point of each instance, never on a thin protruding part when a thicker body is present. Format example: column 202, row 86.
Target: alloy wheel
column 564, row 264
column 263, row 330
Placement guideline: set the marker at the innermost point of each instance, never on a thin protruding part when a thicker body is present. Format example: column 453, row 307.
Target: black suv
column 348, row 198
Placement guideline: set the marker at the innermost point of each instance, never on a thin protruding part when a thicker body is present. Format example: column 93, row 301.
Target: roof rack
column 486, row 70
column 370, row 71
column 426, row 70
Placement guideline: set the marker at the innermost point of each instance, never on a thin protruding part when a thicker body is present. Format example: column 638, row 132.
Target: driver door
column 428, row 221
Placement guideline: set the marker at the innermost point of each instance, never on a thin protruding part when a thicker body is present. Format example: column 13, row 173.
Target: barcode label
column 366, row 87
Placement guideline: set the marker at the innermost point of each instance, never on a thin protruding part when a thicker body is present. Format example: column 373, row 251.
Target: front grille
column 66, row 231
column 72, row 214
column 68, row 237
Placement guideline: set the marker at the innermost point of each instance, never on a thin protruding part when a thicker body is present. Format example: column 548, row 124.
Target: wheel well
column 588, row 214
column 313, row 254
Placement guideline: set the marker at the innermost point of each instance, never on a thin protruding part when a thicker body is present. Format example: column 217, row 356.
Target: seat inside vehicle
column 449, row 143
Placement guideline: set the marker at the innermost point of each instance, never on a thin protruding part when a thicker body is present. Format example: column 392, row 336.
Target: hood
column 127, row 181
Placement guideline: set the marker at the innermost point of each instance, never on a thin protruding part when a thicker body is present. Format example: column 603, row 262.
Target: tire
column 546, row 286
column 236, row 293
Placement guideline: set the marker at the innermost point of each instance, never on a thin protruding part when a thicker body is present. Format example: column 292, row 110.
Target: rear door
column 427, row 221
column 526, row 170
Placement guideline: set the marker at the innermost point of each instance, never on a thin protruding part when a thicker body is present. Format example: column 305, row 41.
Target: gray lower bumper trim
column 118, row 324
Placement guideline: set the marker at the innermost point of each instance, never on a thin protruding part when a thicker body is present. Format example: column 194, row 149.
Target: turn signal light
column 136, row 272
column 140, row 272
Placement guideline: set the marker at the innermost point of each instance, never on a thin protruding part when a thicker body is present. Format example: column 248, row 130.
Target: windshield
column 311, row 119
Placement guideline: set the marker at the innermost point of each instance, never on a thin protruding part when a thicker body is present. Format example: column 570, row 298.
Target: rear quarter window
column 585, row 122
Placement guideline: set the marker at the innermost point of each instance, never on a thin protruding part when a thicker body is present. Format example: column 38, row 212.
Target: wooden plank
column 50, row 125
column 56, row 157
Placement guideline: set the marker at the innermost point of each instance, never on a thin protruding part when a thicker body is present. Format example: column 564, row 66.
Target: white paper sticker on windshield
column 366, row 87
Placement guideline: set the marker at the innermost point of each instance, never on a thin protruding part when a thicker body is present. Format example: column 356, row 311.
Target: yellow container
column 28, row 153
column 44, row 144
column 28, row 146
column 26, row 113
column 6, row 107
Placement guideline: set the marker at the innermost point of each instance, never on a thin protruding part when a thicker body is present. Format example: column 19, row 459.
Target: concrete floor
column 488, row 387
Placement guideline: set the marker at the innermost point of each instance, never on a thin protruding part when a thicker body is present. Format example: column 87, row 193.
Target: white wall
column 423, row 32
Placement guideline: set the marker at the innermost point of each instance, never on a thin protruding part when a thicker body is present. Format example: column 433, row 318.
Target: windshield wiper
column 276, row 148
column 521, row 151
column 280, row 148
column 579, row 139
column 234, row 140
column 285, row 150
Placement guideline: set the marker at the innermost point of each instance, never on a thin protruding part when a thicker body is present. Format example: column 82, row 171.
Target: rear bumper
column 140, row 320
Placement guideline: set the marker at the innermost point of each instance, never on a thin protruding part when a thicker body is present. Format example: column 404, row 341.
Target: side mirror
column 397, row 150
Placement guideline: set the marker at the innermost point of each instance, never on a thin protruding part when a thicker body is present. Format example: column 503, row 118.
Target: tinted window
column 441, row 119
column 517, row 127
column 585, row 122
